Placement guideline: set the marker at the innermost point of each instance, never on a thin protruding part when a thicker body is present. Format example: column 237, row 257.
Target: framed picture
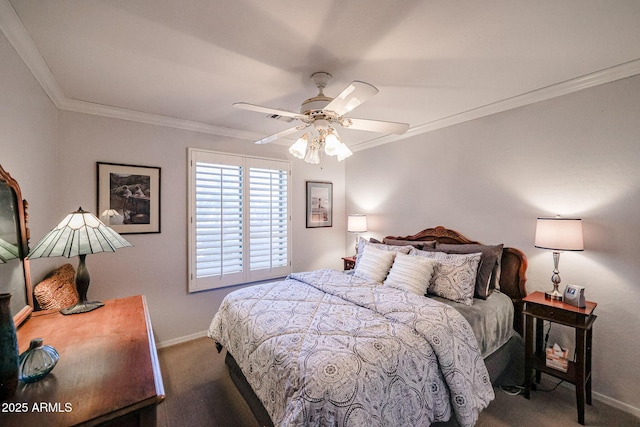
column 129, row 197
column 319, row 204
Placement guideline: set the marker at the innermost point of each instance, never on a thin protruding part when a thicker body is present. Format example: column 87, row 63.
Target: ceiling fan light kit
column 326, row 139
column 325, row 114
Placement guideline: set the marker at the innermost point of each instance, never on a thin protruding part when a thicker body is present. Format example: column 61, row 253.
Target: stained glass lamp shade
column 78, row 234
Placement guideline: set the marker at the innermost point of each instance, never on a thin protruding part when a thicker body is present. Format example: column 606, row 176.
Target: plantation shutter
column 239, row 220
column 269, row 220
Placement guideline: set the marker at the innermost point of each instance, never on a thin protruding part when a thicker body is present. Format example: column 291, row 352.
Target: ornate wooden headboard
column 513, row 276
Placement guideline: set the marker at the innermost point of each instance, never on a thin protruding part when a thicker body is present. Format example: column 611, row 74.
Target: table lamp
column 357, row 223
column 79, row 233
column 557, row 235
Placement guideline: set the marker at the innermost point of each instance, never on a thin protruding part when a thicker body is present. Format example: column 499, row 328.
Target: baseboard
column 181, row 340
column 606, row 399
column 617, row 404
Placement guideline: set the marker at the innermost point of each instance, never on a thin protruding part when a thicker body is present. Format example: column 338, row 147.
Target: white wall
column 28, row 132
column 157, row 264
column 576, row 155
column 53, row 155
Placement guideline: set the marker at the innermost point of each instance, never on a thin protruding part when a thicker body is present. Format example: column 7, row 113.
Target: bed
column 347, row 348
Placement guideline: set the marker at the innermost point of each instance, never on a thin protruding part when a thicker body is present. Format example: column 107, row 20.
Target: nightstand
column 581, row 319
column 349, row 262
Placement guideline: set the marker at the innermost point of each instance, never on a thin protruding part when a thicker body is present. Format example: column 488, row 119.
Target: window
column 239, row 228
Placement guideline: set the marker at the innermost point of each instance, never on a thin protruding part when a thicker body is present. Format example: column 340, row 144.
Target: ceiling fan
column 323, row 114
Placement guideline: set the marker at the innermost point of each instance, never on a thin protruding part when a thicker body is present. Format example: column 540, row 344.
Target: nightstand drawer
column 555, row 314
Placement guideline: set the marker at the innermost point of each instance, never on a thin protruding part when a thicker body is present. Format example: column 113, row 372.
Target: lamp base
column 553, row 295
column 82, row 307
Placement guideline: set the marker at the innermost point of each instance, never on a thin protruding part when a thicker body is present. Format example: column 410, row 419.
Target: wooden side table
column 581, row 319
column 108, row 373
column 349, row 262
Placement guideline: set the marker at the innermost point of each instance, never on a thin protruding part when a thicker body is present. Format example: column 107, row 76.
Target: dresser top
column 108, row 365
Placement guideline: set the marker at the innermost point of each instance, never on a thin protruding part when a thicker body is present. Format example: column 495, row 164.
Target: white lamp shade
column 343, row 152
column 313, row 155
column 332, row 143
column 559, row 234
column 299, row 148
column 79, row 233
column 357, row 223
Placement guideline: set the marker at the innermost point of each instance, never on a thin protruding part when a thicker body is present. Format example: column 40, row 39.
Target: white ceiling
column 183, row 63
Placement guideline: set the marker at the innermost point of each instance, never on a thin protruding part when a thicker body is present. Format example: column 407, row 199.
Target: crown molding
column 155, row 119
column 597, row 78
column 21, row 41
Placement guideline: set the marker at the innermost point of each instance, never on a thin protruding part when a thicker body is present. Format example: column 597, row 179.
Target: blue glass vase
column 37, row 361
column 8, row 350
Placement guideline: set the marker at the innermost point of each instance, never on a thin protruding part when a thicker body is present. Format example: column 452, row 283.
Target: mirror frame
column 23, row 240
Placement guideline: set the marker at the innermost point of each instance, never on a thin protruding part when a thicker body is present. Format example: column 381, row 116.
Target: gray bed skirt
column 247, row 392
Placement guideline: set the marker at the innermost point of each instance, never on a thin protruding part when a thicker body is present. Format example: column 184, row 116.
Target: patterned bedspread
column 326, row 348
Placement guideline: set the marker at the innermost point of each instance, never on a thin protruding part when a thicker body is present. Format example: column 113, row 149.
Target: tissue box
column 557, row 359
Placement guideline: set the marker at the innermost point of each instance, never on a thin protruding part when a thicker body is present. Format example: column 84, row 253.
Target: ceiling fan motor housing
column 314, row 104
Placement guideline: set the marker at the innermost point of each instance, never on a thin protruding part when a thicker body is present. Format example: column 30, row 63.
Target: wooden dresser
column 108, row 370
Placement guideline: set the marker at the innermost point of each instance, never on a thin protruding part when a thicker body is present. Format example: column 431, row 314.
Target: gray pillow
column 488, row 277
column 415, row 243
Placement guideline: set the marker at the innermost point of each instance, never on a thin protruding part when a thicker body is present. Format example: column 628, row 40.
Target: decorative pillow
column 374, row 264
column 488, row 277
column 411, row 273
column 58, row 289
column 362, row 243
column 414, row 243
column 454, row 277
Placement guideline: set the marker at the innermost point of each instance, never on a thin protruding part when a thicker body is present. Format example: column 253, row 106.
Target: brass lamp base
column 555, row 279
column 554, row 294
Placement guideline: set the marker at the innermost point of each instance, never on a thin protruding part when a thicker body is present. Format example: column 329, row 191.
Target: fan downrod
column 318, row 102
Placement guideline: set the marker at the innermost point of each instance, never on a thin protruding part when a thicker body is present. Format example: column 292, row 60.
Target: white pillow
column 374, row 264
column 454, row 277
column 362, row 243
column 411, row 273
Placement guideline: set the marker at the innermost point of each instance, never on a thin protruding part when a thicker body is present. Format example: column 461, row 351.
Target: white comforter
column 326, row 348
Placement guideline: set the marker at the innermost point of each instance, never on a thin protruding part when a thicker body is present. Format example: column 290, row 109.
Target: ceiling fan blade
column 376, row 126
column 275, row 136
column 355, row 94
column 267, row 110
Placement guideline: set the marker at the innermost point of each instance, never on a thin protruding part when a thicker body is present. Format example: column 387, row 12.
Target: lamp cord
column 546, row 337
